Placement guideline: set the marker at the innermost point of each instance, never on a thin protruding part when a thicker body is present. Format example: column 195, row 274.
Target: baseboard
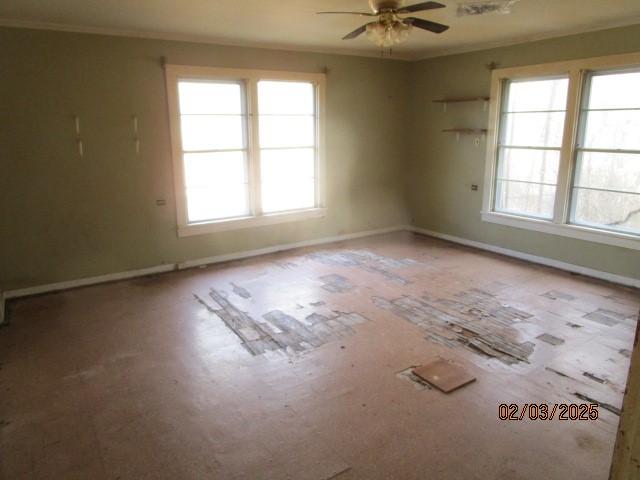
column 569, row 267
column 83, row 282
column 112, row 277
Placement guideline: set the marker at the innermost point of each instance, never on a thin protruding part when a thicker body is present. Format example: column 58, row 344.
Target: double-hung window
column 247, row 146
column 564, row 150
column 606, row 183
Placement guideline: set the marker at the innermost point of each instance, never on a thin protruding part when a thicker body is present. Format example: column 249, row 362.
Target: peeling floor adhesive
column 481, row 304
column 605, row 406
column 558, row 372
column 606, row 317
column 280, row 331
column 556, row 295
column 593, row 377
column 241, row 291
column 482, row 334
column 253, row 335
column 550, row 339
column 367, row 261
column 336, row 283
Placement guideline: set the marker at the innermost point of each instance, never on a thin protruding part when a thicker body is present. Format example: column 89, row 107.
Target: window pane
column 209, row 97
column 529, row 165
column 287, row 131
column 289, row 165
column 288, row 179
column 536, row 95
column 223, row 201
column 214, row 169
column 212, row 132
column 612, row 129
column 612, row 171
column 533, row 129
column 279, row 196
column 292, row 98
column 615, row 90
column 525, row 198
column 615, row 211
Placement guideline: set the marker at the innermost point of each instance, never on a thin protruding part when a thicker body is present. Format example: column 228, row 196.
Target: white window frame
column 250, row 78
column 559, row 225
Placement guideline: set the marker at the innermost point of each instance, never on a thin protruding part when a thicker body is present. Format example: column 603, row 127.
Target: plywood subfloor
column 294, row 365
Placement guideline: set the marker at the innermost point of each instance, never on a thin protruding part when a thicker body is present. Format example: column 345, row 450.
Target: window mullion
column 568, row 150
column 254, row 147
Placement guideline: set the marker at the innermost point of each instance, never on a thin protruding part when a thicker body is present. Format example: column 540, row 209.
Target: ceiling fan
column 390, row 28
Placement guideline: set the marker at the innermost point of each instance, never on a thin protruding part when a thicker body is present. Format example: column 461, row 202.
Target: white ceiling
column 293, row 25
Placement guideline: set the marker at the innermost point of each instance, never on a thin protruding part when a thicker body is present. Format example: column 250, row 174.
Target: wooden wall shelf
column 468, row 131
column 445, row 101
column 462, row 100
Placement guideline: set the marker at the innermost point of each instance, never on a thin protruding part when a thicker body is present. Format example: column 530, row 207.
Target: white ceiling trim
column 61, row 27
column 627, row 22
column 15, row 23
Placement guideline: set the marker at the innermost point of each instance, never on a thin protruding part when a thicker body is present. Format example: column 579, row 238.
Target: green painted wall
column 63, row 217
column 442, row 170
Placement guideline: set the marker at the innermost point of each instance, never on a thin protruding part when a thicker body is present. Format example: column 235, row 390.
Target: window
column 287, row 145
column 606, row 184
column 531, row 130
column 247, row 147
column 564, row 155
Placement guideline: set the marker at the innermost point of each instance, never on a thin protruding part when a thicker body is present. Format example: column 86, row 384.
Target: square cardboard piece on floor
column 443, row 375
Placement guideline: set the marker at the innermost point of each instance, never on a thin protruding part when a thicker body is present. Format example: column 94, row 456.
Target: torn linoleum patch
column 557, row 295
column 280, row 331
column 241, row 291
column 336, row 283
column 550, row 339
column 606, row 317
column 453, row 328
column 367, row 261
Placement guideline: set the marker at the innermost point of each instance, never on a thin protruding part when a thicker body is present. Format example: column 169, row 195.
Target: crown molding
column 410, row 57
column 626, row 22
column 202, row 39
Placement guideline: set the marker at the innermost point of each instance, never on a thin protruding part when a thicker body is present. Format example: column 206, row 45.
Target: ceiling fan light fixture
column 386, row 35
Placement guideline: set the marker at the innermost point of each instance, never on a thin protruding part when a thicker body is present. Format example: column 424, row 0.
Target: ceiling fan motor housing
column 384, row 5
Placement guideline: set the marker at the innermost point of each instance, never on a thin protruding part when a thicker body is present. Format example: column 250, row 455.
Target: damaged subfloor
column 298, row 365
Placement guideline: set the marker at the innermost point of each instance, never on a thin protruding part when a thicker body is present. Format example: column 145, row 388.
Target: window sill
column 247, row 222
column 573, row 231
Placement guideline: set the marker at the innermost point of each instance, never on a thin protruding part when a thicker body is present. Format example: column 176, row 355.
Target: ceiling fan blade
column 427, row 25
column 365, row 14
column 419, row 7
column 355, row 33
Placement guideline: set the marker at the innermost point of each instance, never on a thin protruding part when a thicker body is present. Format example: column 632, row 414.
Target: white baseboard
column 53, row 287
column 111, row 277
column 83, row 282
column 569, row 267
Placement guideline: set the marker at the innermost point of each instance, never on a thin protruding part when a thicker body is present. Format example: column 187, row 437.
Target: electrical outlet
column 474, row 188
column 161, row 202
